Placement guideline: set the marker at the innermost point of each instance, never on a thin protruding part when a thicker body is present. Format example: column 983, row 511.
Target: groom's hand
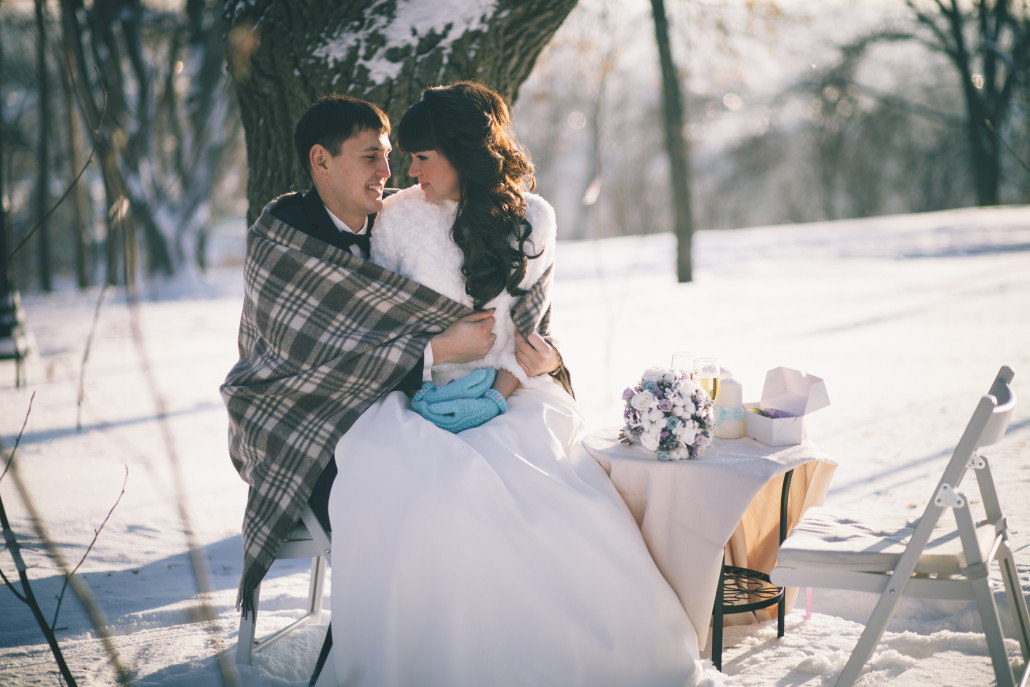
column 535, row 355
column 468, row 339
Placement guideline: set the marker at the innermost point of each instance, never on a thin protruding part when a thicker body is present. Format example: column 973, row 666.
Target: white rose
column 649, row 441
column 644, row 400
column 653, row 374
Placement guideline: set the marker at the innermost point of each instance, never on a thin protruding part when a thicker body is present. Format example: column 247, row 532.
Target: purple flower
column 628, row 394
column 665, row 405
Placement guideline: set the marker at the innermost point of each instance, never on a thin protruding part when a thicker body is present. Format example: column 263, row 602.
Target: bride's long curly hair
column 470, row 125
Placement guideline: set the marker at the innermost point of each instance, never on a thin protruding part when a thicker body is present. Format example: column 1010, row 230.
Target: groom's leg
column 319, row 499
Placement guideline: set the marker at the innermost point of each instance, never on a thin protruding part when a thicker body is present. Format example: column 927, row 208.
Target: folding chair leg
column 316, row 588
column 248, row 628
column 984, row 595
column 871, row 635
column 1017, row 602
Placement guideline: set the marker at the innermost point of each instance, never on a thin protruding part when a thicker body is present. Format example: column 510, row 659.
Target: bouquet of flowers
column 668, row 413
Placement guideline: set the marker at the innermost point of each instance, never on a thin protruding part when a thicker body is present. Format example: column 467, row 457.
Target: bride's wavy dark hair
column 470, row 125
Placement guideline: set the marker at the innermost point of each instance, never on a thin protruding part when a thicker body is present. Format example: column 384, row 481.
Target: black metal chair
column 742, row 590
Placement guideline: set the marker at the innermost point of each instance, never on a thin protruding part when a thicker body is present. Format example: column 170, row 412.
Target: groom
column 324, row 333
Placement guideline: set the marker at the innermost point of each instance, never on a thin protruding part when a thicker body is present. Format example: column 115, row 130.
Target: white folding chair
column 929, row 557
column 308, row 539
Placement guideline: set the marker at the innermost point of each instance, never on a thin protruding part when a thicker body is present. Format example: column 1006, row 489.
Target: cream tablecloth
column 727, row 500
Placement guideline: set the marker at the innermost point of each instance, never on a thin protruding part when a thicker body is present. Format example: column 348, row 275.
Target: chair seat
column 874, row 542
column 299, row 533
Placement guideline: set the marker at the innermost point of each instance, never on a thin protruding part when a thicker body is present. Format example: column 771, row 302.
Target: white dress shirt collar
column 343, row 227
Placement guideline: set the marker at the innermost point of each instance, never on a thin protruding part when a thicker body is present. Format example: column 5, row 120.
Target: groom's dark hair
column 331, row 120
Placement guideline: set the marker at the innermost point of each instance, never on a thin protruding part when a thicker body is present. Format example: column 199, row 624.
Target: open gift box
column 794, row 394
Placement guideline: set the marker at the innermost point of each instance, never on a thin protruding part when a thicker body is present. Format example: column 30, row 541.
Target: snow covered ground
column 906, row 318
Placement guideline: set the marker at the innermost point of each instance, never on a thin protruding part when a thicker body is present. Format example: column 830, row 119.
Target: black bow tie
column 348, row 239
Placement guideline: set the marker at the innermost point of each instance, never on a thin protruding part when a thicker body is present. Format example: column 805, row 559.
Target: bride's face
column 436, row 175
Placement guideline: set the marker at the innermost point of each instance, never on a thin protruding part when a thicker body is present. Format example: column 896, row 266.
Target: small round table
column 726, row 502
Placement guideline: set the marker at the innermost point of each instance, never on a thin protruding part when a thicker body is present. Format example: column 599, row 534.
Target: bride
column 499, row 555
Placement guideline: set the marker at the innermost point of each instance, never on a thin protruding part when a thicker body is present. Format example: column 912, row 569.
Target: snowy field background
column 906, row 318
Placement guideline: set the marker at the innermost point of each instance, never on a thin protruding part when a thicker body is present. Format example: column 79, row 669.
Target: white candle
column 729, row 413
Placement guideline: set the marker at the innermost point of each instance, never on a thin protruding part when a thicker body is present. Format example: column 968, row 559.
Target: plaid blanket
column 323, row 335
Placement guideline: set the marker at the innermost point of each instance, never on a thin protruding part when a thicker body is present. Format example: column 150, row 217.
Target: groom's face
column 355, row 176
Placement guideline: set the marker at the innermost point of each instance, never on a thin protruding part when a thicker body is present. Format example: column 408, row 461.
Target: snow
column 404, row 27
column 906, row 318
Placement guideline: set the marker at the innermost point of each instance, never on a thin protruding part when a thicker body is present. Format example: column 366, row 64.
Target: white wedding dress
column 501, row 556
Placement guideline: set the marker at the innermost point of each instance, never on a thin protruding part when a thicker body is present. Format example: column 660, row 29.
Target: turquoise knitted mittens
column 464, row 403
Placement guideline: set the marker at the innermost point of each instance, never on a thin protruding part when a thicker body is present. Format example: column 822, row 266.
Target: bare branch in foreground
column 200, row 565
column 27, row 596
column 81, row 589
column 68, row 190
column 18, row 440
column 85, row 357
column 96, row 534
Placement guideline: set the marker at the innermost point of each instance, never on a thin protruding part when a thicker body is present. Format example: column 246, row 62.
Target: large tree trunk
column 283, row 56
column 676, row 145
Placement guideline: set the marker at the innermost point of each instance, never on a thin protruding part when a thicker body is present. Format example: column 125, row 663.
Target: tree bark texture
column 283, row 55
column 677, row 147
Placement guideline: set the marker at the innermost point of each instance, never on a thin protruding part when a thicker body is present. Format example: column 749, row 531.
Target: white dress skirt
column 497, row 557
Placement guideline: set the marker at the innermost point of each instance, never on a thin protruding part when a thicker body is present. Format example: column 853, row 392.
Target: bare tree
column 284, row 55
column 676, row 144
column 988, row 44
column 161, row 76
column 43, row 148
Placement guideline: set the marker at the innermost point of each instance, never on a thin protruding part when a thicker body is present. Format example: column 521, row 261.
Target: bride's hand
column 535, row 355
column 467, row 339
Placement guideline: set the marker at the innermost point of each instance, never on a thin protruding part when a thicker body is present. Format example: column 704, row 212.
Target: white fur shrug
column 412, row 236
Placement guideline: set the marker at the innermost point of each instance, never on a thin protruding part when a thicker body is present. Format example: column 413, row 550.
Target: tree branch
column 199, row 562
column 96, row 534
column 82, row 591
column 85, row 357
column 18, row 439
column 67, row 190
column 29, row 598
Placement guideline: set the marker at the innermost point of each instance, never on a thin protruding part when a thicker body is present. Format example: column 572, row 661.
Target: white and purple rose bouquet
column 668, row 413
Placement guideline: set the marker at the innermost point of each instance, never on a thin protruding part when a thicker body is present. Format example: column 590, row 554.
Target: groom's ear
column 318, row 157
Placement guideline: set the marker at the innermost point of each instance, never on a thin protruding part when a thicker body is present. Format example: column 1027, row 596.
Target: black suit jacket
column 307, row 213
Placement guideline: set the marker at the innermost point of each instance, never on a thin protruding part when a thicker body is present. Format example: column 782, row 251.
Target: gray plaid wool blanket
column 322, row 336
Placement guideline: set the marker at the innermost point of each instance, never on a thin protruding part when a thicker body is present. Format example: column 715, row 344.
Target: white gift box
column 792, row 392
